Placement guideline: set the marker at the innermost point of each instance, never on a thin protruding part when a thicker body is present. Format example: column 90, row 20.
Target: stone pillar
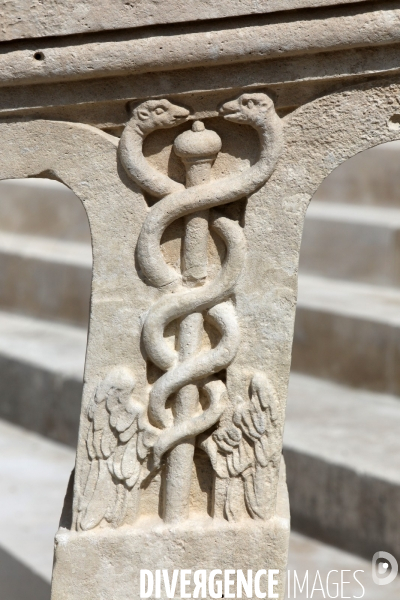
column 182, row 471
column 195, row 145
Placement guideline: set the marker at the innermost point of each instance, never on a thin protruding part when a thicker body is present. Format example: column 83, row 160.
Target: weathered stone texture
column 196, row 216
column 59, row 17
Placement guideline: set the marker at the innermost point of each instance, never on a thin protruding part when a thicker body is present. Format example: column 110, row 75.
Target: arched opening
column 85, row 160
column 342, row 438
column 45, row 279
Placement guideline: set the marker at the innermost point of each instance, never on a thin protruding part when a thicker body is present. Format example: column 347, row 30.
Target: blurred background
column 342, row 434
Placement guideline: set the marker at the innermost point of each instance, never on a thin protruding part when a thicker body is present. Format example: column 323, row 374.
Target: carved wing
column 118, row 441
column 245, row 445
column 256, row 418
column 257, row 421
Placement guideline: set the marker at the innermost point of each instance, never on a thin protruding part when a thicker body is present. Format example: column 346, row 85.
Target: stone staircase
column 342, row 442
column 341, row 439
column 45, row 274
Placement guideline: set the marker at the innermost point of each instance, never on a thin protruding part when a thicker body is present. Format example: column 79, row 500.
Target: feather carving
column 118, row 441
column 245, row 444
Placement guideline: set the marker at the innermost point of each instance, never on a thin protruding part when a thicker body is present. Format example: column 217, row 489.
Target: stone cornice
column 35, row 19
column 270, row 37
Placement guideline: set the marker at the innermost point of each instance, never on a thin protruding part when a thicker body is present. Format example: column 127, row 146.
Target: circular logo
column 384, row 568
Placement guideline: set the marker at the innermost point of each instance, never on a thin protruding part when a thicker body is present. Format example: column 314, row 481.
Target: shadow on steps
column 17, row 582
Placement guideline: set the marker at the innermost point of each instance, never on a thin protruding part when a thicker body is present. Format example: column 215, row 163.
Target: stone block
column 68, row 17
column 96, row 563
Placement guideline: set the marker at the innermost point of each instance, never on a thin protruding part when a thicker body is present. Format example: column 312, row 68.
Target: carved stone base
column 105, row 564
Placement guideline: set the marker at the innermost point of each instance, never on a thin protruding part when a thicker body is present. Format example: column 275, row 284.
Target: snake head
column 158, row 114
column 248, row 108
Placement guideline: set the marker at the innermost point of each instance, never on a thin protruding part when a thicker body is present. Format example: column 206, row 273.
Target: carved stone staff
column 198, row 149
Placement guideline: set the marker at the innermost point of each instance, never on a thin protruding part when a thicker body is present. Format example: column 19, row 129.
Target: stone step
column 45, row 277
column 19, row 582
column 42, row 207
column 369, row 178
column 41, row 367
column 342, row 451
column 349, row 333
column 346, row 241
column 331, row 565
column 36, row 472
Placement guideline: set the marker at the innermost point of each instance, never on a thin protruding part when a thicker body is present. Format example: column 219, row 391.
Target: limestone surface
column 195, row 150
column 24, row 19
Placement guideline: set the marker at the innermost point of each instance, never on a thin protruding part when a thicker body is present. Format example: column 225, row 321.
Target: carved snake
column 256, row 110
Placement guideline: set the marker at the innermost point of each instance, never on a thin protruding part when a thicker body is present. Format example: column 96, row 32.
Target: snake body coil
column 179, row 301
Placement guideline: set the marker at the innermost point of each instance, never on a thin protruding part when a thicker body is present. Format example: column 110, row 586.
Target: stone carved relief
column 129, row 438
column 319, row 136
column 118, row 442
column 245, row 445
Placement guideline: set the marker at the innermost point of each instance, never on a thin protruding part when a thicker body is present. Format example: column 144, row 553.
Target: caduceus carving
column 191, row 296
